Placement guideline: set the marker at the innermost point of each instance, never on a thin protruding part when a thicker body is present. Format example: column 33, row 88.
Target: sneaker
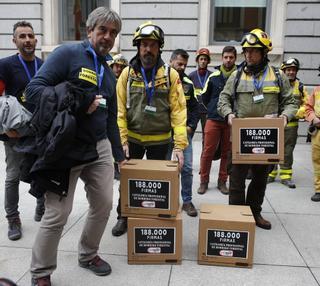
column 223, row 187
column 38, row 214
column 120, row 228
column 203, row 188
column 97, row 266
column 14, row 228
column 289, row 183
column 190, row 209
column 316, row 197
column 270, row 179
column 43, row 281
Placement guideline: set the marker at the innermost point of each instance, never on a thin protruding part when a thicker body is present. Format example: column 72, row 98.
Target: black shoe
column 14, row 228
column 289, row 183
column 120, row 228
column 203, row 188
column 43, row 281
column 261, row 222
column 97, row 266
column 316, row 197
column 190, row 209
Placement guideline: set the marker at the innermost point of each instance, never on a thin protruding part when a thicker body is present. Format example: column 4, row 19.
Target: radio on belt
column 150, row 188
column 257, row 140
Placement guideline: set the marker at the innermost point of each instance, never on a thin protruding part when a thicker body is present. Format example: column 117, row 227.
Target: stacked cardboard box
column 150, row 200
column 226, row 235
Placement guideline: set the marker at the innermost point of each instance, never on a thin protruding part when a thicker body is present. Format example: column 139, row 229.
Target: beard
column 148, row 60
column 28, row 50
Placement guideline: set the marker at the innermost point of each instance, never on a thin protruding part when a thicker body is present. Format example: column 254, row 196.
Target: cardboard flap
column 246, row 213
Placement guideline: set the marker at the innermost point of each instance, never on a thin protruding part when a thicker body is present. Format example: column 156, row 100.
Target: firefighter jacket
column 193, row 113
column 151, row 123
column 300, row 96
column 272, row 97
column 313, row 105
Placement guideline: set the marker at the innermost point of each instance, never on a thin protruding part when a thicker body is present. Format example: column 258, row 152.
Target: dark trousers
column 256, row 188
column 136, row 151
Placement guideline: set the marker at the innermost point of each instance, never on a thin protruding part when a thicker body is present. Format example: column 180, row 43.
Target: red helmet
column 204, row 52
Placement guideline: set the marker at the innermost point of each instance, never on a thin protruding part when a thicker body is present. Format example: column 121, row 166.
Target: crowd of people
column 105, row 111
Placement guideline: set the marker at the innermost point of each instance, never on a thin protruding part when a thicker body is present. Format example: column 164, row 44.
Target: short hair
column 103, row 15
column 179, row 52
column 6, row 282
column 21, row 24
column 229, row 49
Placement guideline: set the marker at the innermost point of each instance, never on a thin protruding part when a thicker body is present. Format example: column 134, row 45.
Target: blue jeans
column 186, row 173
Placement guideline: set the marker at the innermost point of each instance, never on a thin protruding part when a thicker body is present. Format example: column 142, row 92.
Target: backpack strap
column 235, row 85
column 278, row 76
column 129, row 82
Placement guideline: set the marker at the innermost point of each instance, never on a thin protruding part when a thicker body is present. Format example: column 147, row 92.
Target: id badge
column 258, row 98
column 103, row 103
column 150, row 109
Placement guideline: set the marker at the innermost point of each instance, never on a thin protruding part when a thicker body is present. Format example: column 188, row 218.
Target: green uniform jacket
column 276, row 100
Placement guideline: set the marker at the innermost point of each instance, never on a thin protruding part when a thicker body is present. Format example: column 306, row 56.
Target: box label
column 154, row 240
column 227, row 243
column 259, row 140
column 149, row 194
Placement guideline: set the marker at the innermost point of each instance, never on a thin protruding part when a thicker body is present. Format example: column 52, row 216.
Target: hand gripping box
column 226, row 235
column 154, row 241
column 150, row 188
column 257, row 140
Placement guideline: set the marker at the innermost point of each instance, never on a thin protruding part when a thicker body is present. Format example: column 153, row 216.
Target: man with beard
column 151, row 103
column 84, row 66
column 179, row 61
column 15, row 73
column 217, row 130
column 199, row 78
column 290, row 67
column 261, row 91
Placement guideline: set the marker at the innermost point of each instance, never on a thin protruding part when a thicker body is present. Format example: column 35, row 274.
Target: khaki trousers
column 316, row 160
column 98, row 179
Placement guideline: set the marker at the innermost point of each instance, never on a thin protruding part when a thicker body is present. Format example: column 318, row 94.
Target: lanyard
column 204, row 80
column 99, row 74
column 26, row 68
column 257, row 83
column 149, row 91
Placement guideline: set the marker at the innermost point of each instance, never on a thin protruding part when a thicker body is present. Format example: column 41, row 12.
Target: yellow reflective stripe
column 293, row 124
column 273, row 174
column 122, row 123
column 197, row 91
column 285, row 177
column 148, row 138
column 137, row 84
column 187, row 97
column 180, row 130
column 289, row 171
column 275, row 89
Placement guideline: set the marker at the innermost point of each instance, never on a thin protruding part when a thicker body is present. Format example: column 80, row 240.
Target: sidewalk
column 288, row 254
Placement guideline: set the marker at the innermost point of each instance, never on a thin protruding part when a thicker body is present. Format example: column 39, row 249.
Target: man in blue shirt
column 15, row 73
column 83, row 65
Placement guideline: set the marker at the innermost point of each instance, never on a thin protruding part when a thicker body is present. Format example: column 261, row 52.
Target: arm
column 178, row 111
column 193, row 112
column 302, row 109
column 226, row 98
column 2, row 87
column 310, row 113
column 53, row 71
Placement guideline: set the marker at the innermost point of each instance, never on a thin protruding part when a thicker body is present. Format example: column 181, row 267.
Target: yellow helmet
column 257, row 39
column 291, row 62
column 148, row 30
column 119, row 59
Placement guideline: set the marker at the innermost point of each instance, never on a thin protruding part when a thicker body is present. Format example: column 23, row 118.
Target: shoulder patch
column 88, row 75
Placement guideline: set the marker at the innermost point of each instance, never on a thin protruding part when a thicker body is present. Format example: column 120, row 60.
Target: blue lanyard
column 149, row 92
column 98, row 73
column 205, row 79
column 258, row 84
column 26, row 68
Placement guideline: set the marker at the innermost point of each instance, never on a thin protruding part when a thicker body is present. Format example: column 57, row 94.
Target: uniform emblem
column 88, row 75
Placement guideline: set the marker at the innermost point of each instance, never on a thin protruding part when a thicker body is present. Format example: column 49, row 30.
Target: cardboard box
column 257, row 140
column 150, row 188
column 226, row 235
column 154, row 241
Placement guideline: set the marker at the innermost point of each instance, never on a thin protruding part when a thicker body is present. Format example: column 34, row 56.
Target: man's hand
column 12, row 134
column 230, row 117
column 125, row 148
column 285, row 119
column 122, row 163
column 94, row 105
column 177, row 155
column 189, row 130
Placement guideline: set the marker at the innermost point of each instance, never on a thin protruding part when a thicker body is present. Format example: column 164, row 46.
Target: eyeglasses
column 251, row 39
column 151, row 30
column 292, row 61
